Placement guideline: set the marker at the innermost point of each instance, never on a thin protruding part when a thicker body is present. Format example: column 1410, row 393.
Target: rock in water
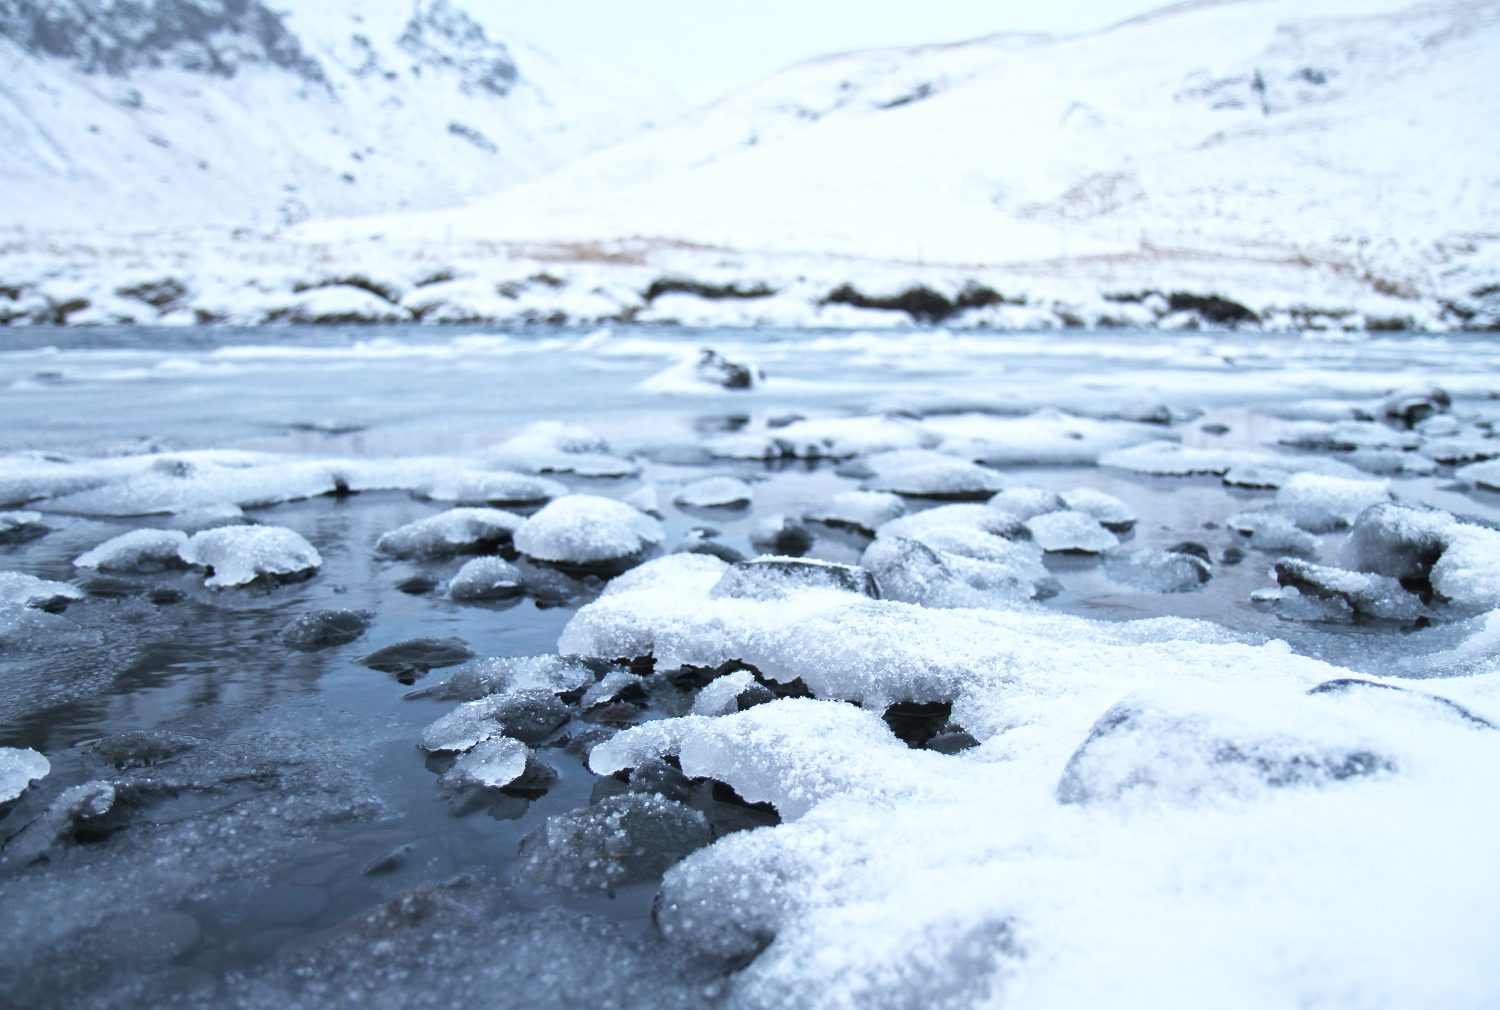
column 717, row 370
column 586, row 531
column 622, row 840
column 772, row 578
column 1171, row 571
column 137, row 551
column 240, row 555
column 457, row 531
column 529, row 716
column 1113, row 514
column 861, row 511
column 324, row 629
column 485, row 579
column 1378, row 596
column 19, row 527
column 411, row 659
column 493, row 487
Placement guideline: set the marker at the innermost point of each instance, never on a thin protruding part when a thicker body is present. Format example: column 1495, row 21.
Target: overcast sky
column 704, row 48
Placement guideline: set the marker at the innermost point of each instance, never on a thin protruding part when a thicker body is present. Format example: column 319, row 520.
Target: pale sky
column 704, row 48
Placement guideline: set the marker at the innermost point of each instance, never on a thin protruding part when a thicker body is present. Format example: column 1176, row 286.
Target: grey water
column 304, row 854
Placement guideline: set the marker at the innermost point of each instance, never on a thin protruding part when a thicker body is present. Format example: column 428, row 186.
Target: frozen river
column 237, row 812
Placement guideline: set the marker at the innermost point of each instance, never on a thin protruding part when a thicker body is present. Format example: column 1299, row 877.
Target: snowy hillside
column 187, row 112
column 1356, row 131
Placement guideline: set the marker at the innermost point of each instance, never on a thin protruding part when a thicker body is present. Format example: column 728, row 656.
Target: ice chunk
column 527, row 715
column 1378, row 596
column 586, row 530
column 19, row 527
column 457, row 531
column 136, row 551
column 20, row 769
column 1403, row 543
column 1070, row 531
column 490, row 764
column 1272, row 530
column 1342, row 497
column 932, row 475
column 187, row 481
column 491, row 487
column 771, row 578
column 485, row 579
column 324, row 629
column 721, row 695
column 715, row 492
column 1158, row 571
column 1113, row 514
column 863, row 511
column 613, row 686
column 240, row 555
column 912, row 572
column 621, row 840
column 42, row 594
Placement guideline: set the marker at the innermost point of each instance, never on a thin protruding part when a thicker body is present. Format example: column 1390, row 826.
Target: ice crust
column 1156, row 765
column 24, row 590
column 485, row 579
column 20, row 768
column 240, row 555
column 586, row 529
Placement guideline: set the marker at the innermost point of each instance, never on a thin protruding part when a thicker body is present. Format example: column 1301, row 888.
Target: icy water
column 298, row 848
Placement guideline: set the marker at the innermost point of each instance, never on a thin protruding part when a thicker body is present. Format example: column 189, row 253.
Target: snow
column 20, row 769
column 1341, row 497
column 827, row 438
column 240, row 555
column 475, row 487
column 1112, row 513
column 586, row 529
column 932, row 475
column 137, row 550
column 553, row 447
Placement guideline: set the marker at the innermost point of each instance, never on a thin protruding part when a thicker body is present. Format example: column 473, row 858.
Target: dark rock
column 710, row 292
column 143, row 748
column 923, row 304
column 789, row 538
column 1403, row 543
column 621, row 840
column 110, row 587
column 324, row 629
column 407, row 661
column 916, row 723
column 417, row 585
column 1378, row 596
column 390, row 861
column 952, row 741
column 1211, row 308
column 1407, row 407
column 20, row 527
column 656, row 776
column 1232, row 555
column 718, row 370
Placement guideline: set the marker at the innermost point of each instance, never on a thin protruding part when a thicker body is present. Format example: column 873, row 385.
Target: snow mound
column 555, row 447
column 827, row 438
column 1339, row 496
column 586, row 530
column 773, row 578
column 457, row 531
column 932, row 475
column 1113, row 514
column 138, row 550
column 17, row 527
column 240, row 555
column 485, row 579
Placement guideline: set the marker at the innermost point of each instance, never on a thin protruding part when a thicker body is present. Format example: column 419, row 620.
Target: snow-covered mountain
column 1361, row 132
column 151, row 113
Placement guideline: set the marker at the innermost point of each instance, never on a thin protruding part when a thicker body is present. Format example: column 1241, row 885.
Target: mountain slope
column 1255, row 128
column 154, row 113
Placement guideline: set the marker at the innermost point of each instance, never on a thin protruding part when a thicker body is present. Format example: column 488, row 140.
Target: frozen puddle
column 1020, row 674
